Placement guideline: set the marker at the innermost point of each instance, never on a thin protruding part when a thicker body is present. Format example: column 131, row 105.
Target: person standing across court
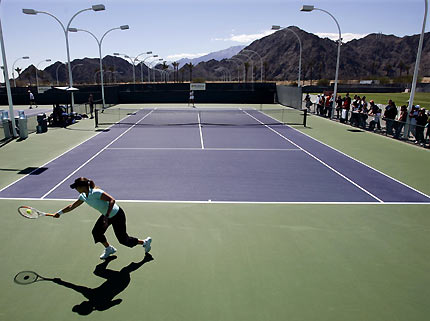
column 32, row 100
column 91, row 103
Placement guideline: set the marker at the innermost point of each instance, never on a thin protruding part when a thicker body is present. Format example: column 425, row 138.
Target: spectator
column 428, row 128
column 401, row 121
column 422, row 120
column 327, row 105
column 354, row 121
column 390, row 114
column 91, row 102
column 321, row 106
column 345, row 110
column 363, row 114
column 364, row 103
column 338, row 106
column 375, row 111
column 413, row 119
column 308, row 102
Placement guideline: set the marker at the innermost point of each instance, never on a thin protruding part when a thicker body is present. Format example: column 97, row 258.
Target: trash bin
column 22, row 125
column 6, row 124
column 42, row 124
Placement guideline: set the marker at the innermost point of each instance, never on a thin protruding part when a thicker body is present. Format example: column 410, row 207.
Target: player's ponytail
column 91, row 184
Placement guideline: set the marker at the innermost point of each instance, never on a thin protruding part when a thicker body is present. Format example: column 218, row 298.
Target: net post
column 305, row 116
column 96, row 117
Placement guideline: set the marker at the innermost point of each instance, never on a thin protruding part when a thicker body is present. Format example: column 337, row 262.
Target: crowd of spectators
column 358, row 112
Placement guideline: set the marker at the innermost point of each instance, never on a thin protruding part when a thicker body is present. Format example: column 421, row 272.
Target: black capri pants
column 118, row 223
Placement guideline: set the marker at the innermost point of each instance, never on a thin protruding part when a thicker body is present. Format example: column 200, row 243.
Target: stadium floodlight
column 29, row 11
column 99, row 43
column 98, row 7
column 275, row 27
column 309, row 8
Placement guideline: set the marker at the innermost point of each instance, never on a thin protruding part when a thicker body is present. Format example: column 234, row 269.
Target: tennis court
column 218, row 155
column 252, row 219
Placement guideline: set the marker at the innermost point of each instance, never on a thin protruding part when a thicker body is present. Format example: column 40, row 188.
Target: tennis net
column 200, row 116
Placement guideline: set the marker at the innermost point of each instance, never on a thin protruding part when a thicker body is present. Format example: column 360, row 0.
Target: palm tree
column 18, row 70
column 175, row 68
column 164, row 67
column 190, row 66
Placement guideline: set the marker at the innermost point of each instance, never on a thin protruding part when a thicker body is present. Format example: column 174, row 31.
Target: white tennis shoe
column 108, row 251
column 147, row 244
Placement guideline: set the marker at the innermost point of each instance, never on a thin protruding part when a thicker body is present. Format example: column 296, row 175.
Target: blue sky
column 177, row 28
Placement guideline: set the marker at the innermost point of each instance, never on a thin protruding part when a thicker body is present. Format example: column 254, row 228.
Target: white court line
column 38, row 168
column 206, row 149
column 224, row 202
column 50, row 161
column 354, row 159
column 95, row 155
column 317, row 159
column 200, row 129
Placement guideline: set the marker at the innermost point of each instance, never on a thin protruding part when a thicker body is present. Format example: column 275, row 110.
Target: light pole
column 99, row 43
column 98, row 7
column 309, row 8
column 37, row 79
column 13, row 69
column 6, row 81
column 244, row 68
column 132, row 60
column 416, row 71
column 252, row 65
column 261, row 62
column 153, row 70
column 141, row 66
column 137, row 60
column 238, row 68
column 56, row 73
column 300, row 46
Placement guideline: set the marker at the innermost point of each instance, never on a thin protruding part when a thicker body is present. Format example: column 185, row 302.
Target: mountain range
column 217, row 55
column 376, row 55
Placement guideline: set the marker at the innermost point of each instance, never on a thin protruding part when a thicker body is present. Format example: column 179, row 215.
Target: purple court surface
column 200, row 162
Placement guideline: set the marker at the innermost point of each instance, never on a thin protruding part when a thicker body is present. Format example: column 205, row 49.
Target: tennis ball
column 29, row 211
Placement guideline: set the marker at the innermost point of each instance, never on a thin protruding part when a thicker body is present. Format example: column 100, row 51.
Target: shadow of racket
column 29, row 277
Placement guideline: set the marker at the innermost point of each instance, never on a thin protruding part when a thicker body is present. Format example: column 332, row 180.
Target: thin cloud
column 346, row 37
column 246, row 38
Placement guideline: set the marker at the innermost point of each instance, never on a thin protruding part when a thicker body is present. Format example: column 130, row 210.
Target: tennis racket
column 32, row 213
column 28, row 277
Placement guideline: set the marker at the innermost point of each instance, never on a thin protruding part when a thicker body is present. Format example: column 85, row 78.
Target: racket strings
column 28, row 212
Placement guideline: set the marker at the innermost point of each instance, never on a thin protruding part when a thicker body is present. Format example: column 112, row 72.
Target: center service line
column 200, row 129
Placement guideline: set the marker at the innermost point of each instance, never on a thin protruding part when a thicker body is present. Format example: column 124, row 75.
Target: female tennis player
column 111, row 214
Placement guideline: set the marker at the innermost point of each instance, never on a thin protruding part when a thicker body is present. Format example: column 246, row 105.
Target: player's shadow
column 102, row 297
